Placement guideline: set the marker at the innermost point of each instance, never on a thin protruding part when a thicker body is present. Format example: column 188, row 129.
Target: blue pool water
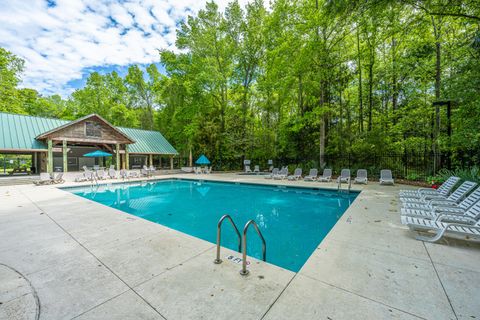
column 293, row 220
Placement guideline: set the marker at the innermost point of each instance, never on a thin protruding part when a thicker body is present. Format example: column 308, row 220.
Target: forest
column 306, row 81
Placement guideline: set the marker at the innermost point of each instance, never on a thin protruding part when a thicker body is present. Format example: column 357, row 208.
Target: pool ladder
column 339, row 186
column 242, row 242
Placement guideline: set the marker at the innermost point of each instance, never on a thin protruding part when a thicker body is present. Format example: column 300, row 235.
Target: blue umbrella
column 97, row 154
column 202, row 160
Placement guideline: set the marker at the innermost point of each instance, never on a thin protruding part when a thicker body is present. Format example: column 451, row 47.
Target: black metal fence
column 411, row 166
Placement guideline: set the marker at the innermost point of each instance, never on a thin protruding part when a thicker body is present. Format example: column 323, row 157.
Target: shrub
column 470, row 174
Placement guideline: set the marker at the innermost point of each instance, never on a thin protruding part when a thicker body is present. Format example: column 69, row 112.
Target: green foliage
column 301, row 80
column 466, row 174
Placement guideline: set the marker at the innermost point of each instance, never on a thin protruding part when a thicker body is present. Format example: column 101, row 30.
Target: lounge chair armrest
column 422, row 190
column 441, row 210
column 444, row 203
column 461, row 225
column 431, row 197
column 459, row 218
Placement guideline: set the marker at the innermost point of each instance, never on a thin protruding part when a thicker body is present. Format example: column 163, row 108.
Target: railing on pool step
column 339, row 186
column 244, row 270
column 242, row 242
column 219, row 236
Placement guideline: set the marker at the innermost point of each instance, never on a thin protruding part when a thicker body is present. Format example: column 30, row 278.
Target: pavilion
column 59, row 145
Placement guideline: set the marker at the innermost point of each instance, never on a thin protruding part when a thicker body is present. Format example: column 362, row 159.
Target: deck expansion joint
column 364, row 297
column 278, row 297
column 440, row 280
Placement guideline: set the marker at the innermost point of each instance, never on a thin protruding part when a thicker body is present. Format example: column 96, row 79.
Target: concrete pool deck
column 65, row 257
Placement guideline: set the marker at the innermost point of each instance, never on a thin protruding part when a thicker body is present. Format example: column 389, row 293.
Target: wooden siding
column 76, row 133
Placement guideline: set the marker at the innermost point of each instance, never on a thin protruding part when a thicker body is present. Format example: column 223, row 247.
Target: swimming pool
column 293, row 220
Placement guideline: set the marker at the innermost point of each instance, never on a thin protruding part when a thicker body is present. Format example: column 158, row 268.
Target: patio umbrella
column 202, row 160
column 97, row 154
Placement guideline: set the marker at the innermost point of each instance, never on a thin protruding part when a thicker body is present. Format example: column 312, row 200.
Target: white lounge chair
column 133, row 174
column 361, row 176
column 344, row 176
column 124, row 174
column 453, row 199
column 58, row 178
column 297, row 175
column 247, row 169
column 101, row 174
column 112, row 173
column 44, row 179
column 88, row 175
column 326, row 176
column 144, row 171
column 282, row 174
column 312, row 175
column 153, row 170
column 468, row 208
column 256, row 169
column 271, row 175
column 386, row 177
column 208, row 170
column 444, row 189
column 197, row 170
column 470, row 228
column 80, row 177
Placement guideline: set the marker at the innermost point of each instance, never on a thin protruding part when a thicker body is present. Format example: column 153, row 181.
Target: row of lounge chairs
column 345, row 176
column 198, row 170
column 256, row 169
column 47, row 178
column 443, row 211
column 111, row 173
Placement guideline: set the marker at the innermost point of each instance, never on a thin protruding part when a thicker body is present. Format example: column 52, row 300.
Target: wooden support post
column 171, row 162
column 35, row 162
column 50, row 156
column 65, row 156
column 150, row 160
column 127, row 160
column 117, row 156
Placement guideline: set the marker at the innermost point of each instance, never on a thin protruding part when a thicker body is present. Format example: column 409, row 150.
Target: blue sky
column 121, row 70
column 62, row 41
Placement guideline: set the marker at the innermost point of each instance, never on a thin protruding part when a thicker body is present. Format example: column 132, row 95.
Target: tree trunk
column 438, row 75
column 394, row 80
column 300, row 94
column 370, row 88
column 322, row 126
column 360, row 96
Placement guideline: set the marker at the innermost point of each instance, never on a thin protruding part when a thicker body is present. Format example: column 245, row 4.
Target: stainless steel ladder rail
column 244, row 270
column 339, row 186
column 219, row 236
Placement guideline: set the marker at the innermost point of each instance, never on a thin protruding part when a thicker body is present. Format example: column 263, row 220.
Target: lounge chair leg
column 435, row 238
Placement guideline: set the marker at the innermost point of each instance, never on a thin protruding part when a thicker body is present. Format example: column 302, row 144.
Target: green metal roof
column 148, row 142
column 18, row 132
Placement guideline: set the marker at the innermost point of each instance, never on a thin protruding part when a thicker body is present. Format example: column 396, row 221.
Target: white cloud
column 60, row 43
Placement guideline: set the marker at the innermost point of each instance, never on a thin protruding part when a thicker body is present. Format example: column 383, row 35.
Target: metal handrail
column 244, row 270
column 219, row 236
column 339, row 186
